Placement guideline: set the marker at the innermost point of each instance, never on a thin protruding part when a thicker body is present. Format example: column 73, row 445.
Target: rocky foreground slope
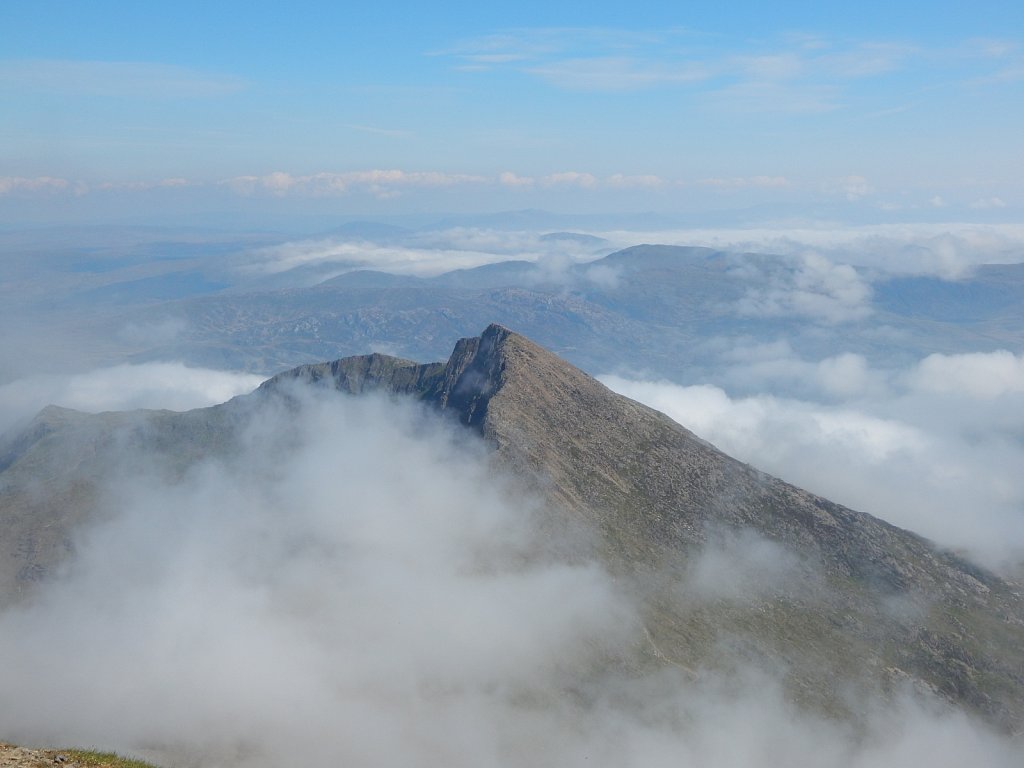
column 731, row 566
column 12, row 756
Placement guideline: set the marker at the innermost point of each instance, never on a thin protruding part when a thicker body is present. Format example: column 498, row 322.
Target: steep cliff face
column 463, row 386
column 729, row 565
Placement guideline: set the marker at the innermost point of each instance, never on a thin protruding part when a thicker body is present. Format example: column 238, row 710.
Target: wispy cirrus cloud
column 1002, row 60
column 133, row 79
column 396, row 133
column 783, row 65
column 868, row 59
column 677, row 55
column 991, row 47
column 617, row 73
column 773, row 97
column 584, row 59
column 531, row 44
column 787, row 74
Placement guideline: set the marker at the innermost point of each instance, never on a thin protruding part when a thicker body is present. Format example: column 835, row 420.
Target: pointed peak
column 482, row 366
column 500, row 340
column 479, row 366
column 485, row 350
column 489, row 343
column 497, row 332
column 473, row 373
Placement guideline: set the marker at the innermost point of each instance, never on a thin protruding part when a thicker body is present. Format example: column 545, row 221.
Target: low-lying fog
column 936, row 448
column 359, row 586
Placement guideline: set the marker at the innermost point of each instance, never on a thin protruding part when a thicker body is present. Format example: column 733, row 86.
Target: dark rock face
column 863, row 604
column 462, row 387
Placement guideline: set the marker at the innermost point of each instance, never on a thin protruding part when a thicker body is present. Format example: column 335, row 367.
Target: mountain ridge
column 656, row 491
column 864, row 602
column 478, row 370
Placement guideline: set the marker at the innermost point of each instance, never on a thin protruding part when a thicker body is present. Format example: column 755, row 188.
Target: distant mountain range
column 660, row 310
column 865, row 605
column 262, row 303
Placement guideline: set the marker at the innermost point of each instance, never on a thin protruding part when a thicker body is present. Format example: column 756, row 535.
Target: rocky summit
column 730, row 566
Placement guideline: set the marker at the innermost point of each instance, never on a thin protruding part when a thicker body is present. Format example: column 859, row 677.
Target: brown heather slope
column 841, row 604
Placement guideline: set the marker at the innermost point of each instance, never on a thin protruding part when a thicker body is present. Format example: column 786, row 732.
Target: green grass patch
column 87, row 758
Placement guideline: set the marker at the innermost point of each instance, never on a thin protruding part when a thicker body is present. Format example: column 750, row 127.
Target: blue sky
column 597, row 106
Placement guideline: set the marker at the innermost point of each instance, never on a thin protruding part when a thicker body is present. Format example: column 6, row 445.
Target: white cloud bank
column 979, row 375
column 173, row 386
column 936, row 448
column 423, row 254
column 816, row 288
column 947, row 250
column 358, row 588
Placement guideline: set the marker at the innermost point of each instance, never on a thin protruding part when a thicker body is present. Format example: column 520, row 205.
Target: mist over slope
column 935, row 448
column 358, row 579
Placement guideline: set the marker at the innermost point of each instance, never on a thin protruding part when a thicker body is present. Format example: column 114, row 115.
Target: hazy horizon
column 137, row 113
